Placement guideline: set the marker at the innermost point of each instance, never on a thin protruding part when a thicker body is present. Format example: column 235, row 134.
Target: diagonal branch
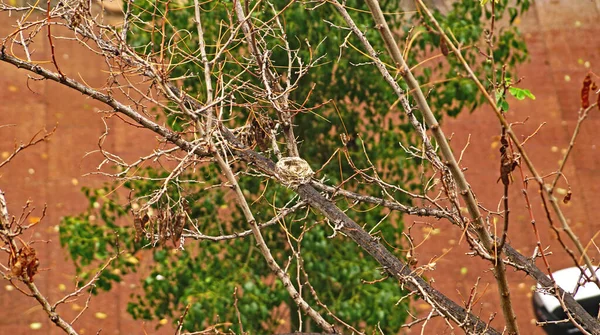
column 393, row 205
column 547, row 191
column 277, row 218
column 264, row 250
column 49, row 309
column 269, row 77
column 391, row 263
column 450, row 161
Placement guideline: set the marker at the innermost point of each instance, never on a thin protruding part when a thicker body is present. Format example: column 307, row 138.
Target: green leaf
column 503, row 105
column 205, row 275
column 521, row 93
column 513, row 12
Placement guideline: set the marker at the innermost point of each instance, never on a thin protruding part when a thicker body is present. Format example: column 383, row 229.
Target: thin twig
column 457, row 174
column 545, row 190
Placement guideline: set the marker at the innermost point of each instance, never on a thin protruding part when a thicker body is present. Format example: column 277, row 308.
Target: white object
column 567, row 279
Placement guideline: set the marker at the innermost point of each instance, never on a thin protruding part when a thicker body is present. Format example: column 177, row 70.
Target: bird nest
column 293, row 171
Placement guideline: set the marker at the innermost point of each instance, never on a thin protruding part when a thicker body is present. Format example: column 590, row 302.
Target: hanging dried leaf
column 163, row 227
column 178, row 225
column 25, row 262
column 32, row 262
column 595, row 91
column 186, row 206
column 585, row 92
column 567, row 197
column 261, row 130
column 16, row 266
column 508, row 162
column 598, row 101
column 444, row 47
column 137, row 224
column 505, row 170
column 152, row 225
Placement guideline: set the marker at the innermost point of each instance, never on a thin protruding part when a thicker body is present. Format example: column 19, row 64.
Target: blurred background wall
column 564, row 44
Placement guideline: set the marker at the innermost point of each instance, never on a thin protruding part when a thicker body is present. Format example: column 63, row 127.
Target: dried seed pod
column 32, row 262
column 25, row 262
column 585, row 92
column 444, row 47
column 262, row 131
column 567, row 197
column 139, row 223
column 505, row 170
column 595, row 91
column 177, row 230
column 186, row 206
column 163, row 227
column 16, row 267
column 598, row 101
column 508, row 162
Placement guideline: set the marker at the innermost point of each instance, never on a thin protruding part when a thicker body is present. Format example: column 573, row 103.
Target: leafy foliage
column 353, row 100
column 521, row 93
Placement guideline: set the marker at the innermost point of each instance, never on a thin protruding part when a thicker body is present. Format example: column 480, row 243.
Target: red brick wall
column 564, row 44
